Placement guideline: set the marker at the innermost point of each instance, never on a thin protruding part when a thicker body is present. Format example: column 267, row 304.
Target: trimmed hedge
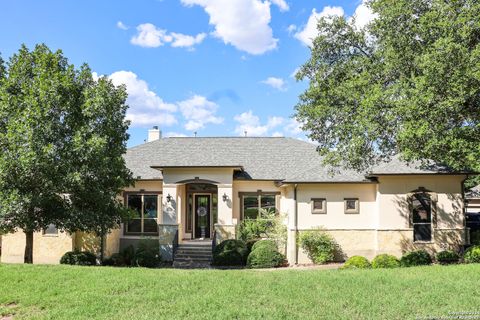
column 416, row 258
column 472, row 255
column 230, row 253
column 357, row 262
column 447, row 257
column 147, row 254
column 79, row 258
column 386, row 261
column 265, row 255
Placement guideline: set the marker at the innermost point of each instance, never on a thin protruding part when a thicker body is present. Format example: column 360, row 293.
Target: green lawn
column 65, row 292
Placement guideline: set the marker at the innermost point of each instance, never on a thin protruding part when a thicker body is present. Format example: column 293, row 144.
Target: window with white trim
column 146, row 208
column 252, row 204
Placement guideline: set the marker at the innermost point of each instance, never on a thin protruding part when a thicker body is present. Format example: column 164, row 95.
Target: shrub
column 265, row 244
column 319, row 245
column 147, row 254
column 269, row 225
column 357, row 262
column 472, row 255
column 230, row 253
column 385, row 261
column 265, row 255
column 79, row 258
column 415, row 258
column 447, row 257
column 128, row 255
column 250, row 244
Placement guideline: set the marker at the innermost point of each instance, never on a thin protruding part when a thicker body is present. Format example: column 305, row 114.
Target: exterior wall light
column 225, row 197
column 169, row 198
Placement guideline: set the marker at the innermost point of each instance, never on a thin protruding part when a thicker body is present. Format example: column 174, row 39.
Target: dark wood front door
column 202, row 215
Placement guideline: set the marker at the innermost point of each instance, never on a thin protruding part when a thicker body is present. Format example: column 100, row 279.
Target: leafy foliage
column 147, row 253
column 416, row 258
column 319, row 245
column 472, row 255
column 62, row 137
column 357, row 262
column 385, row 261
column 269, row 225
column 265, row 255
column 475, row 237
column 230, row 253
column 407, row 83
column 79, row 258
column 447, row 257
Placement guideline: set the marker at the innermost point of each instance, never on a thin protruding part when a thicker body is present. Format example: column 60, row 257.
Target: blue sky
column 215, row 67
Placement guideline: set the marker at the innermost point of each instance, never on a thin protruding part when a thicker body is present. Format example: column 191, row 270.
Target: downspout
column 465, row 210
column 295, row 222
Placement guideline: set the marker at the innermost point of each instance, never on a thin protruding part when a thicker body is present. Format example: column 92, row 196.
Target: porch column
column 225, row 229
column 169, row 208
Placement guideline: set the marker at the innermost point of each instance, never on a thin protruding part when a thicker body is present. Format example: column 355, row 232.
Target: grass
column 68, row 292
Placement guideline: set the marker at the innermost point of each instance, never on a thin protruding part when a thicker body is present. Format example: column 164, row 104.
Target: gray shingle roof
column 287, row 159
column 473, row 193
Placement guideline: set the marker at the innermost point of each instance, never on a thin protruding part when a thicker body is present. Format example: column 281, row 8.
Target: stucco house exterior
column 203, row 187
column 472, row 198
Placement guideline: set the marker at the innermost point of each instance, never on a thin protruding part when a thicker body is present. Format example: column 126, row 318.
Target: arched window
column 422, row 218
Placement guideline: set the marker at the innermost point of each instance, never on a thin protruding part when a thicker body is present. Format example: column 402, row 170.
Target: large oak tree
column 62, row 137
column 408, row 84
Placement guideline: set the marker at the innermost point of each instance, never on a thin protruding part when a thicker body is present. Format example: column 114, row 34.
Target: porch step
column 193, row 255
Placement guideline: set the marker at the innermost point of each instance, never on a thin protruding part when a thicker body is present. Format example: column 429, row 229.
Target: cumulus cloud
column 362, row 15
column 199, row 111
column 150, row 36
column 145, row 106
column 276, row 83
column 309, row 32
column 121, row 25
column 172, row 134
column 242, row 23
column 250, row 123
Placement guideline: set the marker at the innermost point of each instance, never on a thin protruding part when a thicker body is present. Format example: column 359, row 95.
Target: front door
column 202, row 216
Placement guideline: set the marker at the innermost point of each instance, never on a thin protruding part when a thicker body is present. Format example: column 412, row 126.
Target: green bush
column 147, row 254
column 385, row 261
column 230, row 253
column 79, row 258
column 269, row 225
column 475, row 237
column 319, row 245
column 415, row 258
column 447, row 257
column 128, row 255
column 265, row 255
column 356, row 262
column 472, row 255
column 265, row 244
column 250, row 244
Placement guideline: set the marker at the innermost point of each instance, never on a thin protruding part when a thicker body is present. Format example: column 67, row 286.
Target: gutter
column 465, row 209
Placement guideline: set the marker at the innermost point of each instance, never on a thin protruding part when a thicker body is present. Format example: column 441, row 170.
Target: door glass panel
column 250, row 207
column 215, row 208
column 189, row 213
column 202, row 216
column 150, row 204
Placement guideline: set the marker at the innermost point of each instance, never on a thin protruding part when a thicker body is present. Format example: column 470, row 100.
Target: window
column 253, row 203
column 319, row 205
column 351, row 205
column 422, row 217
column 51, row 230
column 145, row 220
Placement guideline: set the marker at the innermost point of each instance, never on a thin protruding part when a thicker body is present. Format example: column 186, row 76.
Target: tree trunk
column 28, row 257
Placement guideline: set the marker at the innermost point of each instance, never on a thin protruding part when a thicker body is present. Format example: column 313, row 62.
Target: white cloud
column 310, row 32
column 145, row 106
column 121, row 25
column 277, row 134
column 150, row 36
column 250, row 123
column 294, row 73
column 199, row 111
column 276, row 83
column 363, row 16
column 281, row 4
column 183, row 40
column 241, row 23
column 174, row 134
column 291, row 28
column 293, row 127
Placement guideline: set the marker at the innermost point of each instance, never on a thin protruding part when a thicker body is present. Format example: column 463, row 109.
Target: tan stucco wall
column 47, row 249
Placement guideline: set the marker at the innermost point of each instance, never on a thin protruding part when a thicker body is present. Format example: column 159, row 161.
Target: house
column 201, row 188
column 472, row 198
